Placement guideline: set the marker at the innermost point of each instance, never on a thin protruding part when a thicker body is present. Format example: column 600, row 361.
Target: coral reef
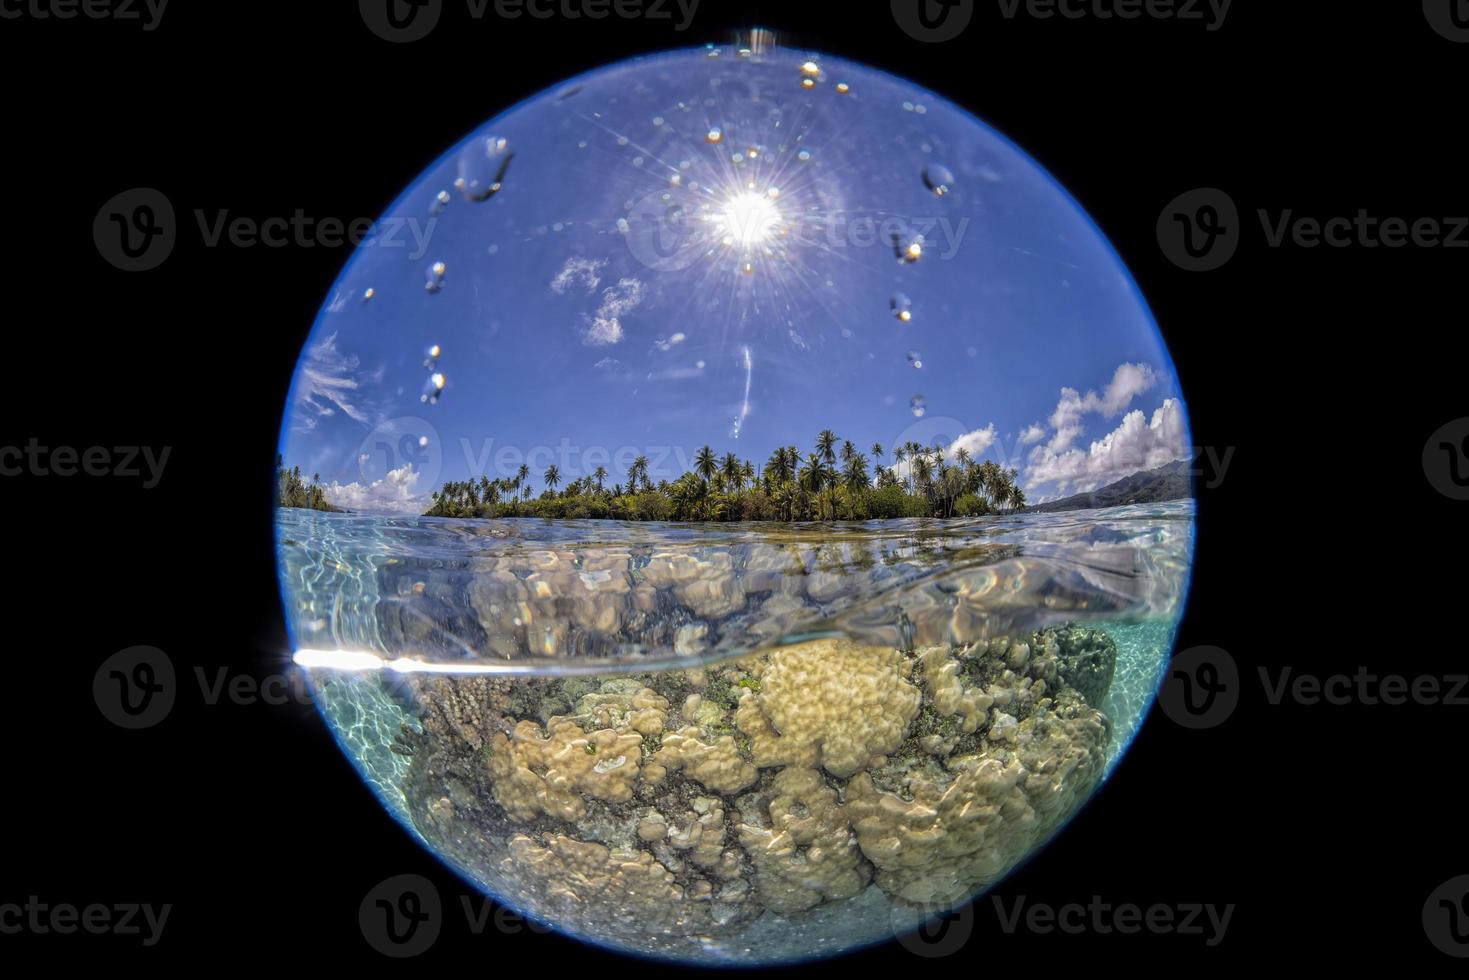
column 679, row 810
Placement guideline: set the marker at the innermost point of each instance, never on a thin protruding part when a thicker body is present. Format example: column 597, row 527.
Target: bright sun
column 750, row 218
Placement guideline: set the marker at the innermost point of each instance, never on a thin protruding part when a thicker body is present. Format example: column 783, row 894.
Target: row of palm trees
column 292, row 490
column 834, row 481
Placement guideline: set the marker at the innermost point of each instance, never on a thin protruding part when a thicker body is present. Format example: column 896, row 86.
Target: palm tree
column 552, row 477
column 704, row 463
column 876, row 453
column 600, row 475
column 734, row 473
column 521, row 475
column 826, row 441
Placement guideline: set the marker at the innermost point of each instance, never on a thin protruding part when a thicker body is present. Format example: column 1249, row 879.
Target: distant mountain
column 1171, row 481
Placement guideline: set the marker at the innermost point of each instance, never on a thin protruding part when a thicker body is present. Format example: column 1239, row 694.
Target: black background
column 1324, row 547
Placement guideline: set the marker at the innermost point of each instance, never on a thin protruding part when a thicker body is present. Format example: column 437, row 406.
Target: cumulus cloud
column 331, row 380
column 605, row 326
column 586, row 273
column 1138, row 443
column 397, row 493
column 1128, row 381
column 1031, row 434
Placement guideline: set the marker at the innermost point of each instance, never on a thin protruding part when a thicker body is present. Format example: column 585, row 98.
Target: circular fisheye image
column 734, row 507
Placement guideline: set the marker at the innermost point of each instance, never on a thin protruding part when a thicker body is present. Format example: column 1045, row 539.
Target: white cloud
column 583, row 272
column 605, row 326
column 1031, row 434
column 1128, row 381
column 397, row 493
column 331, row 380
column 1136, row 444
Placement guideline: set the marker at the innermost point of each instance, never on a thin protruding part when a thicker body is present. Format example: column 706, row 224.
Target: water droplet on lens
column 918, row 405
column 368, row 293
column 843, row 88
column 811, row 69
column 422, row 441
column 938, row 178
column 481, row 166
column 902, row 307
column 915, row 359
column 804, row 155
column 433, row 388
column 908, row 245
column 715, row 135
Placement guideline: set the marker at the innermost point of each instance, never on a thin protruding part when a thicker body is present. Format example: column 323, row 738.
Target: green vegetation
column 292, row 491
column 831, row 482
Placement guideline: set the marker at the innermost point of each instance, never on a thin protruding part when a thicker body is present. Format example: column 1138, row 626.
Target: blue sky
column 690, row 250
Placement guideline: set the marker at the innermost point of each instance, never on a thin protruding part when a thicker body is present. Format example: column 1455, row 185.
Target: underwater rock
column 663, row 812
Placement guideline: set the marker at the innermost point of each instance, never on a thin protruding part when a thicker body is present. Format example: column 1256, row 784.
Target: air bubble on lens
column 368, row 293
column 918, row 405
column 915, row 359
column 715, row 135
column 433, row 387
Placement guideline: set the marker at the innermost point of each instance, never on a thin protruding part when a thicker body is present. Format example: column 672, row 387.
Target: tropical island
column 835, row 481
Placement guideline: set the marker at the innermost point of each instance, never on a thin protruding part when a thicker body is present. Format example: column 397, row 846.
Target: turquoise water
column 481, row 637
